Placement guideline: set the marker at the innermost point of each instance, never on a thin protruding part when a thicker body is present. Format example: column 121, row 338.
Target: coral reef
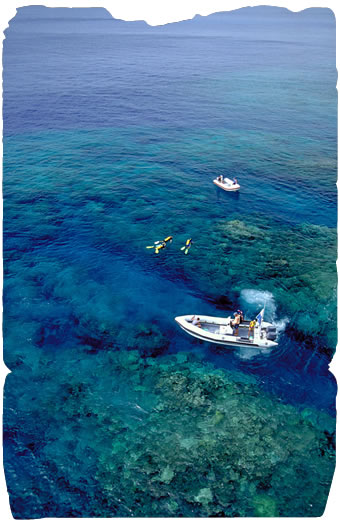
column 125, row 435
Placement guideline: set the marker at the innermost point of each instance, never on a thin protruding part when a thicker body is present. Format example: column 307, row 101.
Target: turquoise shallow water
column 111, row 142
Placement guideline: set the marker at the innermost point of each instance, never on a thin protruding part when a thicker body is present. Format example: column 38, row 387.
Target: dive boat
column 226, row 184
column 219, row 331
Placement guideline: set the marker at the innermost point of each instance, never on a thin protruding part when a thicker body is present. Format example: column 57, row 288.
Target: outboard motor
column 271, row 333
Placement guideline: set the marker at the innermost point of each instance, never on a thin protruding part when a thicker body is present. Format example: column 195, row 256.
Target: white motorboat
column 219, row 331
column 226, row 184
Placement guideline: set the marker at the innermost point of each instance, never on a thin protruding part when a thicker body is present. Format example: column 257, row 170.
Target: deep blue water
column 112, row 136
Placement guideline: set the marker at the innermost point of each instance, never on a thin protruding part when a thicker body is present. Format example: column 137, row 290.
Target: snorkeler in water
column 159, row 245
column 187, row 246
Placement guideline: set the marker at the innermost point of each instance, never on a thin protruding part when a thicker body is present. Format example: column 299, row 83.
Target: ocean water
column 113, row 133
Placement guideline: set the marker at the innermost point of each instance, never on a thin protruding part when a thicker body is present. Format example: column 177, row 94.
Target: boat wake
column 253, row 300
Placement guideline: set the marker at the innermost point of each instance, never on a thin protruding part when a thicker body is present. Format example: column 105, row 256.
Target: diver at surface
column 187, row 246
column 159, row 245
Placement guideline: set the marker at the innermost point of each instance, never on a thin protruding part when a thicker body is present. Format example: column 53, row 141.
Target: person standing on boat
column 251, row 329
column 235, row 323
column 240, row 312
column 234, row 181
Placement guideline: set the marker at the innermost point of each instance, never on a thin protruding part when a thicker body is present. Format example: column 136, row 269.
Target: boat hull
column 214, row 335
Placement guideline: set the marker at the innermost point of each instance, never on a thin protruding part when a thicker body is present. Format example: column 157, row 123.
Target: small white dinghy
column 226, row 184
column 219, row 331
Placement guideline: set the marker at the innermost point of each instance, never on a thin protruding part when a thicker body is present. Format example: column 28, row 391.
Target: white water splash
column 280, row 324
column 254, row 300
